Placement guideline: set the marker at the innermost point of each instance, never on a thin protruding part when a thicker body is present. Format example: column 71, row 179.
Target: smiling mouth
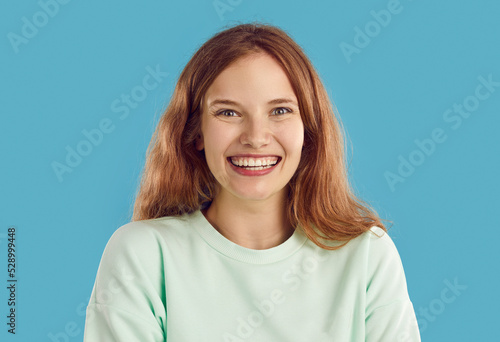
column 255, row 164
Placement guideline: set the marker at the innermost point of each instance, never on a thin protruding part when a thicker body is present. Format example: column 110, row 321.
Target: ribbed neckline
column 252, row 256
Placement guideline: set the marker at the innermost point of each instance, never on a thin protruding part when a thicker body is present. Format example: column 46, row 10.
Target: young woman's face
column 251, row 128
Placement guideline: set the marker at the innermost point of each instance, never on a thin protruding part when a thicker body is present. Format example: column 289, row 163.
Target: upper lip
column 250, row 155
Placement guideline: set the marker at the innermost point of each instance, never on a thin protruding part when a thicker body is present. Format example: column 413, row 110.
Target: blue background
column 393, row 90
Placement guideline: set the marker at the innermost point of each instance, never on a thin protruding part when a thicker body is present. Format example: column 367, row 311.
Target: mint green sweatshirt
column 177, row 279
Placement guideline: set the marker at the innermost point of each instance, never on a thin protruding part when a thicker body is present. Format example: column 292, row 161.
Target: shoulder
column 380, row 243
column 382, row 256
column 137, row 250
column 375, row 243
column 371, row 255
column 145, row 237
column 374, row 255
column 146, row 230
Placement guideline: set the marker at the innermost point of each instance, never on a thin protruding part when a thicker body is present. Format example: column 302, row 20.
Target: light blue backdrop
column 415, row 82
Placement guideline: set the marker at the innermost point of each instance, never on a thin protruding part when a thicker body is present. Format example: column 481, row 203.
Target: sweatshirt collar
column 253, row 256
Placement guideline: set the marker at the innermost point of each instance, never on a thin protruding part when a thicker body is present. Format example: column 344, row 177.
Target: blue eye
column 281, row 111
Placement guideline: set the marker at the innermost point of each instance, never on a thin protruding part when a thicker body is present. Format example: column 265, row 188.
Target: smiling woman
column 260, row 133
column 245, row 227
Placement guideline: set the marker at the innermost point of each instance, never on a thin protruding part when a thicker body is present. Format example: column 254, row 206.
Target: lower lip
column 247, row 172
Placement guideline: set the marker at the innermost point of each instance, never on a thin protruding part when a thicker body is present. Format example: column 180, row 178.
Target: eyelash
column 221, row 112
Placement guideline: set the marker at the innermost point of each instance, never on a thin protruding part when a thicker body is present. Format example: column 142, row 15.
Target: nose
column 256, row 132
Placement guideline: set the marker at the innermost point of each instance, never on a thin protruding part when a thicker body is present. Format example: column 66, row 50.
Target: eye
column 281, row 111
column 227, row 112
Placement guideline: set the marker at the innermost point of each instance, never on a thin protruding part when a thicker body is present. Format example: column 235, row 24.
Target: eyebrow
column 234, row 103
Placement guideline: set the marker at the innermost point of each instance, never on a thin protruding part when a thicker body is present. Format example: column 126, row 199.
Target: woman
column 245, row 227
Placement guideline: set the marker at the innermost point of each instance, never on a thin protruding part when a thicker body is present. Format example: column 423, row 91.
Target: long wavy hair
column 176, row 178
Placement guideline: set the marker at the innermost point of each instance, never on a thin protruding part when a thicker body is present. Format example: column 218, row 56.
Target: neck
column 251, row 224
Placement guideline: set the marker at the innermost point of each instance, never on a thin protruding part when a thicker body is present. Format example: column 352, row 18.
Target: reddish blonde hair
column 177, row 180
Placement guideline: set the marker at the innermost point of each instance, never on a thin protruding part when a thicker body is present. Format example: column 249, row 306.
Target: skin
column 250, row 209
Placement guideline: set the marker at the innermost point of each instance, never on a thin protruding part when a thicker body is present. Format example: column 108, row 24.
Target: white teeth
column 255, row 163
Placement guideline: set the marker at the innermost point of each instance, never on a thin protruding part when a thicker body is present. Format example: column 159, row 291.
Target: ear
column 200, row 145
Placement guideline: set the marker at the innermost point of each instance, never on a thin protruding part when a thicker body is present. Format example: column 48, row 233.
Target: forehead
column 256, row 76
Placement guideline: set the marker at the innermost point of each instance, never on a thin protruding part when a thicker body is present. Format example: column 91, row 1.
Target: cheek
column 292, row 138
column 212, row 151
column 216, row 141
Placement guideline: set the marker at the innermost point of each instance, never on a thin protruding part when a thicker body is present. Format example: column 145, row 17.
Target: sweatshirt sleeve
column 128, row 298
column 389, row 312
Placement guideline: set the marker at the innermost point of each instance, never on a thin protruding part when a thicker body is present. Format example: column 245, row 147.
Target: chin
column 254, row 194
